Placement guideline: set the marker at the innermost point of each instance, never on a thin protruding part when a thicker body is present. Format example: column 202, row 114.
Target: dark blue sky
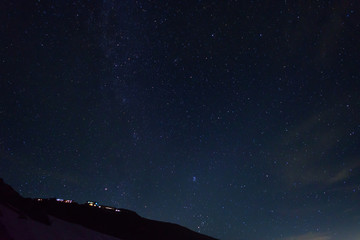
column 237, row 119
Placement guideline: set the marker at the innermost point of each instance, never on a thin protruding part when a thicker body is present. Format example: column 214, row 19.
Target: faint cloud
column 340, row 176
column 310, row 236
column 309, row 150
column 344, row 235
column 345, row 173
column 328, row 29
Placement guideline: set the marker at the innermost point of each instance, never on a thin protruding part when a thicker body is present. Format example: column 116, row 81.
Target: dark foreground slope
column 122, row 224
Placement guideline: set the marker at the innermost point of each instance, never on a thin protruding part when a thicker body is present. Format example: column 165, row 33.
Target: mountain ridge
column 120, row 223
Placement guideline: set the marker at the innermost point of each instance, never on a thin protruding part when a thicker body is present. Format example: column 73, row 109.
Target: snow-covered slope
column 39, row 219
column 14, row 226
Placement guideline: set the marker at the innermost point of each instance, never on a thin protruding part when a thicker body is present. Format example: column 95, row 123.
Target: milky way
column 238, row 120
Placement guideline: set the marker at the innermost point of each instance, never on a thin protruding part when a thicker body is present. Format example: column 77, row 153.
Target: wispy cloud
column 340, row 176
column 330, row 26
column 309, row 150
column 343, row 235
column 345, row 173
column 310, row 236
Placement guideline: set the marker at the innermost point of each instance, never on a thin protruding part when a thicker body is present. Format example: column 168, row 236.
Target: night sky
column 236, row 119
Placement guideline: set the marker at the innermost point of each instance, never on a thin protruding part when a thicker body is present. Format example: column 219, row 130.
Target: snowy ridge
column 17, row 227
column 38, row 219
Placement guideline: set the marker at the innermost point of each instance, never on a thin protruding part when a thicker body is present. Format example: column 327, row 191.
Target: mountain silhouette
column 26, row 218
